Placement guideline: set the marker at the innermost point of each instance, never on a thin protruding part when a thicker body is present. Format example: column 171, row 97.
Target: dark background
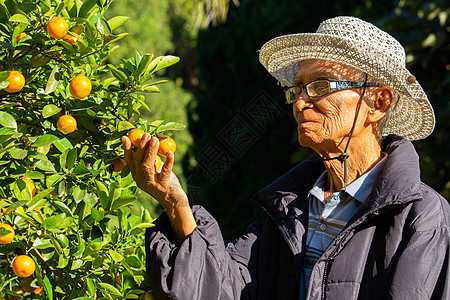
column 245, row 136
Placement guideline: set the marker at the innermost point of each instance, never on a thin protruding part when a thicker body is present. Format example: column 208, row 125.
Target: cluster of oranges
column 166, row 144
column 80, row 87
column 23, row 265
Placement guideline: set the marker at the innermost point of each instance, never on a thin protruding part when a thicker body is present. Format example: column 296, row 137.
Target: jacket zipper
column 325, row 270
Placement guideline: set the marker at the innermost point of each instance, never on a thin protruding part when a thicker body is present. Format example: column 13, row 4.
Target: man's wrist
column 182, row 220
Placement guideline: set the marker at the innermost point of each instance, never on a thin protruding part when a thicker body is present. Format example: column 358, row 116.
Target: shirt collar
column 358, row 189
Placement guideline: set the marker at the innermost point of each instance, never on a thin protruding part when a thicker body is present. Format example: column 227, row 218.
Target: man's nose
column 303, row 101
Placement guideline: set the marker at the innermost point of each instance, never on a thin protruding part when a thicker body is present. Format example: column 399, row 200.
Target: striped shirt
column 327, row 219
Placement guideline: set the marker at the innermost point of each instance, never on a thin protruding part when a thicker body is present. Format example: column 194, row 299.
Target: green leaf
column 71, row 158
column 63, row 261
column 19, row 18
column 109, row 39
column 57, row 222
column 45, row 165
column 64, row 208
column 96, row 214
column 150, row 89
column 48, row 287
column 124, row 125
column 154, row 63
column 52, row 83
column 63, row 144
column 102, row 193
column 121, row 76
column 122, row 201
column 92, row 287
column 86, row 8
column 18, row 153
column 45, row 140
column 6, row 120
column 144, row 63
column 166, row 61
column 171, row 126
column 115, row 256
column 80, row 170
column 50, row 110
column 34, row 175
column 109, row 289
column 133, row 261
column 117, row 21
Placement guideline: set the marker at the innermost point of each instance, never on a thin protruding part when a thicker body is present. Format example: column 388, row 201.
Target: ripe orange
column 72, row 37
column 67, row 124
column 135, row 136
column 149, row 296
column 23, row 266
column 30, row 185
column 38, row 290
column 118, row 164
column 165, row 145
column 57, row 27
column 16, row 82
column 6, row 239
column 158, row 164
column 80, row 87
column 4, row 209
column 20, row 36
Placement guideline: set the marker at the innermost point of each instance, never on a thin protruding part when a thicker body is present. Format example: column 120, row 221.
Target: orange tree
column 62, row 113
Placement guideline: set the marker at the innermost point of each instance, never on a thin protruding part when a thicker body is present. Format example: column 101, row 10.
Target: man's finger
column 150, row 155
column 167, row 166
column 128, row 153
column 142, row 147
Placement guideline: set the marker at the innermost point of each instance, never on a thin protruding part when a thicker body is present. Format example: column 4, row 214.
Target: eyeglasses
column 322, row 87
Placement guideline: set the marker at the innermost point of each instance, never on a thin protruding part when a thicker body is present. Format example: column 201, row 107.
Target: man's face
column 324, row 122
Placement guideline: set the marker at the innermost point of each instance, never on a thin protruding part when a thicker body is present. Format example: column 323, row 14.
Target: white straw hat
column 361, row 45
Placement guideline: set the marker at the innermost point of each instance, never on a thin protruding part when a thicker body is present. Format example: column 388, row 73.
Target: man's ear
column 384, row 97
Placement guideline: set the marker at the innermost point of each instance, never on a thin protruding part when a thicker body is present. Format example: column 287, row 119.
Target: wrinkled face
column 323, row 123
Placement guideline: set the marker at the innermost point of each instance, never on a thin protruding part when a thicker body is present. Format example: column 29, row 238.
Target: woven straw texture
column 361, row 45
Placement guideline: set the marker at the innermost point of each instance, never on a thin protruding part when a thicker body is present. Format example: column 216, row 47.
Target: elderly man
column 352, row 222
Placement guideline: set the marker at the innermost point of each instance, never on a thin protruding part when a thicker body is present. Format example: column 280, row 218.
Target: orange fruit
column 67, row 124
column 118, row 164
column 38, row 290
column 20, row 36
column 135, row 136
column 72, row 37
column 149, row 296
column 80, row 87
column 23, row 266
column 158, row 164
column 57, row 27
column 6, row 239
column 30, row 185
column 165, row 145
column 4, row 209
column 16, row 82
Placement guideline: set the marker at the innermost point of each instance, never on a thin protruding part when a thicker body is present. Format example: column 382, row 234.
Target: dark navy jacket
column 396, row 246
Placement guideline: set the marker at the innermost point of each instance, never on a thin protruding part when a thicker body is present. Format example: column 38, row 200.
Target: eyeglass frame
column 340, row 85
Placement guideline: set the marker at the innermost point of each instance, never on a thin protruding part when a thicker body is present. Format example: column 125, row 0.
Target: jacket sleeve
column 202, row 266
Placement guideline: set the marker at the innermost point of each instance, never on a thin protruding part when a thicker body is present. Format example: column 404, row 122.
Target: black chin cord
column 343, row 156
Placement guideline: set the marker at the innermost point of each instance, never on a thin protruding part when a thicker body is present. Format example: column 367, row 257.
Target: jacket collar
column 397, row 182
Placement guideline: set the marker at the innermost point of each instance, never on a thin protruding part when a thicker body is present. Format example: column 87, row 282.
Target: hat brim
column 412, row 117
